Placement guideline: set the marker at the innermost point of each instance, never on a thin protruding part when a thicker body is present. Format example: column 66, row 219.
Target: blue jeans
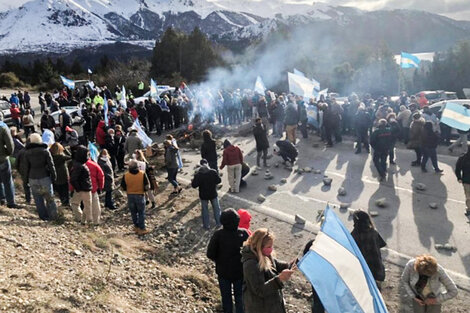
column 137, row 207
column 43, row 195
column 172, row 172
column 205, row 212
column 226, row 292
column 7, row 190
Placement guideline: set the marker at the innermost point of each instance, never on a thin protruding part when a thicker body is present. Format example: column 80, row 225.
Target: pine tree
column 76, row 68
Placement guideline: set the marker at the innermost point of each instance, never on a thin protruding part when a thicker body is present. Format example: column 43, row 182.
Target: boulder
column 433, row 205
column 261, row 198
column 327, row 181
column 307, row 169
column 316, row 172
column 284, row 180
column 373, row 213
column 272, row 188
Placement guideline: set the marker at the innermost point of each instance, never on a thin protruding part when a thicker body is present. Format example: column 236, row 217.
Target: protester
column 263, row 275
column 245, row 219
column 395, row 134
column 317, row 305
column 429, row 141
column 80, row 181
column 287, row 151
column 150, row 171
column 404, row 119
column 135, row 183
column 209, row 149
column 224, row 249
column 101, row 134
column 61, row 157
column 20, row 165
column 416, row 131
column 97, row 183
column 207, row 179
column 362, row 121
column 171, row 162
column 133, row 143
column 262, row 142
column 105, row 164
column 40, row 173
column 369, row 242
column 462, row 171
column 424, row 280
column 233, row 158
column 291, row 120
column 28, row 123
column 461, row 141
column 380, row 141
column 120, row 141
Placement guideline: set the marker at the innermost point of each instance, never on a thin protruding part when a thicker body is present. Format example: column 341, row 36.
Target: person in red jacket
column 101, row 134
column 15, row 115
column 97, row 184
column 233, row 158
column 245, row 219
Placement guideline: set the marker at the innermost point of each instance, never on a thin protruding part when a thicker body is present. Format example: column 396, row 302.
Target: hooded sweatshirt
column 245, row 219
column 206, row 179
column 224, row 247
column 100, row 133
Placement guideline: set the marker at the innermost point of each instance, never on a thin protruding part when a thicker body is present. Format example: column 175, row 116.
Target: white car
column 5, row 108
column 438, row 107
column 56, row 114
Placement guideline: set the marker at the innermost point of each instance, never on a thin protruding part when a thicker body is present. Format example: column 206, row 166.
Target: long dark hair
column 207, row 136
column 362, row 221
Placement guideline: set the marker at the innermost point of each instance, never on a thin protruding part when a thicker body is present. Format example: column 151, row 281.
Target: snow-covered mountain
column 61, row 25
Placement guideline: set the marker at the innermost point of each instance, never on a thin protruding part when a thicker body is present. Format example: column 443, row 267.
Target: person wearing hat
column 135, row 182
column 416, row 131
column 233, row 158
column 133, row 142
column 207, row 179
column 369, row 242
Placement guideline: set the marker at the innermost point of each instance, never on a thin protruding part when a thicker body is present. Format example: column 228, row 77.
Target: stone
column 373, row 213
column 284, row 180
column 268, row 175
column 254, row 173
column 344, row 206
column 381, row 203
column 272, row 188
column 261, row 198
column 433, row 205
column 446, row 246
column 300, row 220
column 341, row 191
column 307, row 169
column 77, row 252
column 327, row 181
column 316, row 172
column 421, row 187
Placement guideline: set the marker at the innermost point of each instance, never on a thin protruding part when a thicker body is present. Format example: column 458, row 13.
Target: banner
column 68, row 82
column 123, row 101
column 105, row 111
column 259, row 86
column 146, row 140
column 301, row 86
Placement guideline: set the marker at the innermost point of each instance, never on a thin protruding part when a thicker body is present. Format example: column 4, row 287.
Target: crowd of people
column 60, row 161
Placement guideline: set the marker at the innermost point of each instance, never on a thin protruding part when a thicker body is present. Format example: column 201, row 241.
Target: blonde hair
column 257, row 241
column 35, row 138
column 426, row 265
column 56, row 149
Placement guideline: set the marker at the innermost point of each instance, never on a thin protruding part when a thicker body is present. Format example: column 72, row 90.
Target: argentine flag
column 153, row 88
column 146, row 140
column 68, row 82
column 456, row 116
column 105, row 111
column 90, row 71
column 259, row 86
column 409, row 61
column 338, row 272
column 94, row 153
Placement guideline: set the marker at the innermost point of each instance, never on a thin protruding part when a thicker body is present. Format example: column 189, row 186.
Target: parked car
column 56, row 114
column 161, row 89
column 5, row 108
column 438, row 95
column 438, row 107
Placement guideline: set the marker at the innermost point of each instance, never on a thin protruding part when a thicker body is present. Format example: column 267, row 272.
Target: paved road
column 407, row 224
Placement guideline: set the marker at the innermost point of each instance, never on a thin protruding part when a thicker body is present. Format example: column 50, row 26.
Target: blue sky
column 458, row 9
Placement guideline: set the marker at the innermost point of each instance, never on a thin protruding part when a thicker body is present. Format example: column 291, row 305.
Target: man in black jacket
column 80, row 180
column 207, row 179
column 262, row 142
column 462, row 171
column 287, row 151
column 380, row 141
column 224, row 250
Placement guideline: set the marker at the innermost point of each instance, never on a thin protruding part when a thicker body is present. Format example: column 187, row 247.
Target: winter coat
column 206, row 179
column 6, row 142
column 61, row 168
column 20, row 164
column 224, row 247
column 209, row 152
column 302, row 112
column 462, row 168
column 262, row 290
column 369, row 242
column 245, row 219
column 287, row 148
column 107, row 168
column 381, row 139
column 120, row 142
column 232, row 155
column 332, row 115
column 110, row 145
column 362, row 120
column 261, row 137
column 133, row 142
column 96, row 174
column 404, row 118
column 291, row 115
column 395, row 130
column 416, row 131
column 80, row 179
column 410, row 277
column 429, row 138
column 39, row 162
column 101, row 133
column 171, row 157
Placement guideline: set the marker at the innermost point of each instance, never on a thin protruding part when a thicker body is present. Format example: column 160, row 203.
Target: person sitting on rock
column 287, row 151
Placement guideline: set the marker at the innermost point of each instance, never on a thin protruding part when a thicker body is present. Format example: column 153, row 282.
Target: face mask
column 267, row 251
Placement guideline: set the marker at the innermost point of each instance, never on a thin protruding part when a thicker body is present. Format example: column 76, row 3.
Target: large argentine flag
column 315, row 83
column 68, row 82
column 146, row 140
column 409, row 61
column 259, row 86
column 336, row 268
column 456, row 116
column 300, row 85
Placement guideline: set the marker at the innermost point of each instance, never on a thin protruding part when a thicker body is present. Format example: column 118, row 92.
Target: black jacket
column 381, row 139
column 38, row 162
column 208, row 151
column 224, row 247
column 207, row 180
column 107, row 168
column 286, row 147
column 80, row 178
column 462, row 168
column 261, row 137
column 369, row 242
